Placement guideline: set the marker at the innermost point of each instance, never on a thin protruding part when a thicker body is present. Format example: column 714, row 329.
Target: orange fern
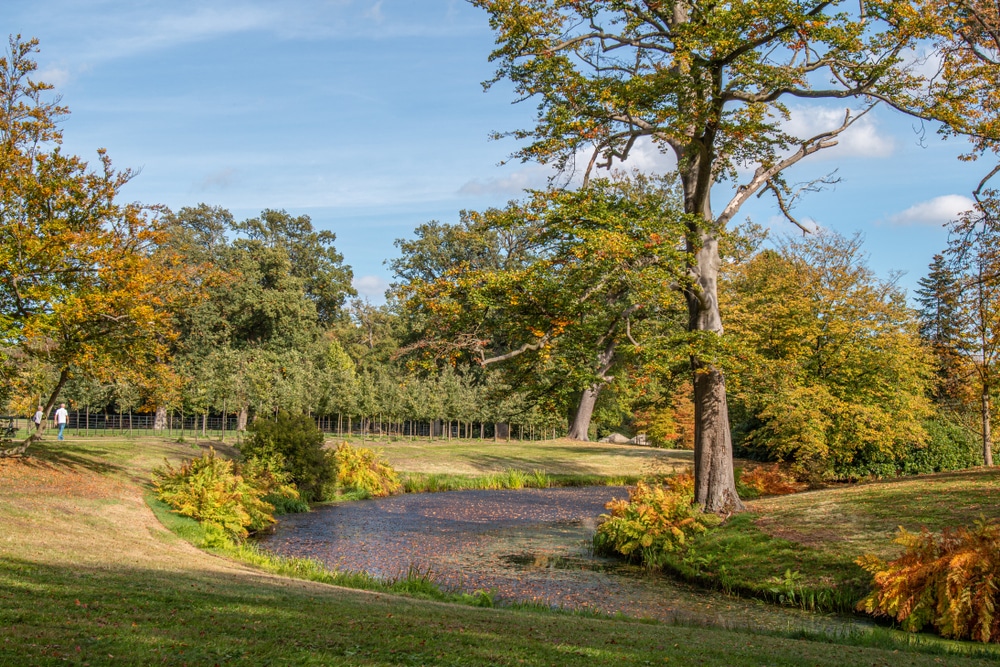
column 949, row 582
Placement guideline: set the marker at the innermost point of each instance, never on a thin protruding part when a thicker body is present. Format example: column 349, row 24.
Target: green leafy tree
column 559, row 311
column 710, row 84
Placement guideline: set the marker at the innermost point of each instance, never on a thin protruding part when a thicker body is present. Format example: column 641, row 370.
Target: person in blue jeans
column 62, row 418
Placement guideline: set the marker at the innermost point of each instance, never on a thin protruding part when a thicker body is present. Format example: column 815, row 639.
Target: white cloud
column 862, row 139
column 55, row 76
column 645, row 156
column 514, row 184
column 373, row 287
column 933, row 212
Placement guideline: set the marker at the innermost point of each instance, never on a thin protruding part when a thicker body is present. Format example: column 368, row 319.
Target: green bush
column 365, row 470
column 949, row 446
column 300, row 443
column 654, row 521
column 268, row 474
column 211, row 490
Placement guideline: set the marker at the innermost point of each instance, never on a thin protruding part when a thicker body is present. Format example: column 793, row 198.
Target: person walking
column 38, row 418
column 62, row 418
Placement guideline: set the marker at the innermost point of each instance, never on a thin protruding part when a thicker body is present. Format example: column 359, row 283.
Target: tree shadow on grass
column 574, row 463
column 136, row 615
column 39, row 455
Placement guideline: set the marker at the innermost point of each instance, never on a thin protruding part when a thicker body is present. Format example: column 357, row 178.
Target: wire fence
column 85, row 423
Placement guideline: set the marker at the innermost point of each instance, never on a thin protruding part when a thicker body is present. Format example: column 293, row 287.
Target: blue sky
column 369, row 116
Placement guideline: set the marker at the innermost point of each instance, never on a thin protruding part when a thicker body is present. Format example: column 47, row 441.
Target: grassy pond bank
column 90, row 576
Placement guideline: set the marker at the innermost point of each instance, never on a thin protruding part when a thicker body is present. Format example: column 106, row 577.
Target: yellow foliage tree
column 83, row 288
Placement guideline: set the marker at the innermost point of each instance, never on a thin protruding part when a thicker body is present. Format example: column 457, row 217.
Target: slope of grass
column 89, row 576
column 800, row 549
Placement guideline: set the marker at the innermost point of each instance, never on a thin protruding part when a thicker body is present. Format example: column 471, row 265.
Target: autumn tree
column 710, row 84
column 974, row 254
column 80, row 290
column 562, row 301
column 825, row 358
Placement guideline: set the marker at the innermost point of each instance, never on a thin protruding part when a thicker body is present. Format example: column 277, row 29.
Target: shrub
column 300, row 443
column 268, row 474
column 654, row 521
column 210, row 490
column 949, row 582
column 770, row 481
column 949, row 446
column 365, row 470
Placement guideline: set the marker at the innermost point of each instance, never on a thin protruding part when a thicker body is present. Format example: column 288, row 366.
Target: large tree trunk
column 987, row 436
column 580, row 427
column 241, row 420
column 714, row 480
column 37, row 435
column 160, row 420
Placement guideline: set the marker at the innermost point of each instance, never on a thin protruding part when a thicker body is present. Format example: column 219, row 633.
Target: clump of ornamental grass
column 949, row 582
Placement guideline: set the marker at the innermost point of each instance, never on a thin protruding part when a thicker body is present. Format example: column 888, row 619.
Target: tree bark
column 715, row 482
column 160, row 420
column 580, row 427
column 241, row 420
column 987, row 431
column 578, row 430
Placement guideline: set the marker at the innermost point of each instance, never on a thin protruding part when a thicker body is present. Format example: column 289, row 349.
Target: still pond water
column 526, row 545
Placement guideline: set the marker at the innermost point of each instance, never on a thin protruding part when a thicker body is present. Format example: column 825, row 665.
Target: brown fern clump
column 949, row 582
column 771, row 481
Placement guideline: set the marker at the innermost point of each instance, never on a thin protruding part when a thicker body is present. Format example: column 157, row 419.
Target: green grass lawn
column 89, row 576
column 555, row 457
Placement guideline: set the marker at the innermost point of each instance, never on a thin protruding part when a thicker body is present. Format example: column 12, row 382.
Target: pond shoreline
column 525, row 546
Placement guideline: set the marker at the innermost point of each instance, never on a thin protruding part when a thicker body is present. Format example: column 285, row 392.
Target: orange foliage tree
column 84, row 287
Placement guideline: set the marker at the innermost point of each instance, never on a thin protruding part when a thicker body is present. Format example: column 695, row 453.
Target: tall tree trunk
column 241, row 420
column 987, row 431
column 714, row 480
column 580, row 427
column 160, row 421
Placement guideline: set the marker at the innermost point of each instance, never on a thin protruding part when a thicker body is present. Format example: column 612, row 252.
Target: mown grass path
column 89, row 577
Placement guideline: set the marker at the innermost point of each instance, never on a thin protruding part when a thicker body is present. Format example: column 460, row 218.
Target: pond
column 526, row 545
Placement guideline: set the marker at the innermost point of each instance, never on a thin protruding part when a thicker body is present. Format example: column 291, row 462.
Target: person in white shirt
column 62, row 418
